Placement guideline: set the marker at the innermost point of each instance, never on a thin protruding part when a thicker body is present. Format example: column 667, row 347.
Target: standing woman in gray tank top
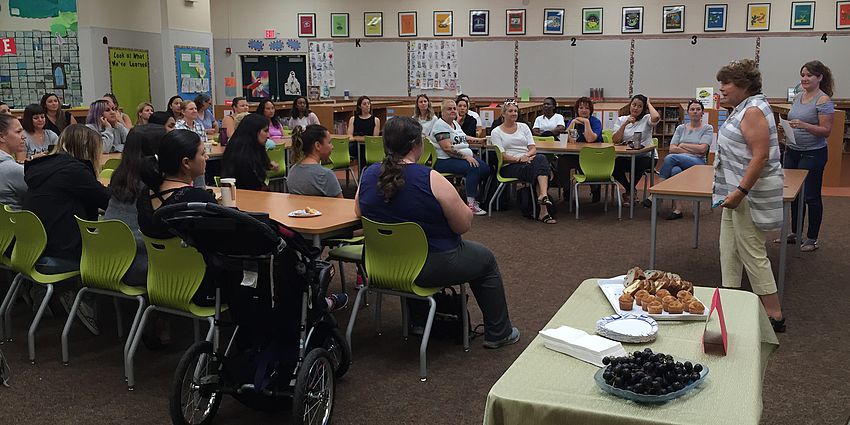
column 811, row 118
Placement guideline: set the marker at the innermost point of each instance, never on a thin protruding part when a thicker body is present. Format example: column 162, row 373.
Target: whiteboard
column 782, row 57
column 487, row 68
column 675, row 67
column 373, row 69
column 555, row 68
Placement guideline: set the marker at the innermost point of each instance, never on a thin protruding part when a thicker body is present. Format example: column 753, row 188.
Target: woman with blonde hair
column 143, row 113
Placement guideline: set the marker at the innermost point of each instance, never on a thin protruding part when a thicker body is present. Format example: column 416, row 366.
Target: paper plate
column 302, row 213
column 628, row 328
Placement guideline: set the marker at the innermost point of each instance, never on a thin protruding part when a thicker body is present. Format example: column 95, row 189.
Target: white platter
column 302, row 213
column 632, row 328
column 613, row 288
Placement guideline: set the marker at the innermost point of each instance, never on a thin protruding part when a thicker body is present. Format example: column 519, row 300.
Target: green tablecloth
column 546, row 387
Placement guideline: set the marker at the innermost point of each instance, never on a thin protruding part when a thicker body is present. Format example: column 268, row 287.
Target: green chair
column 543, row 138
column 597, row 168
column 106, row 173
column 503, row 182
column 374, row 149
column 278, row 155
column 429, row 153
column 286, row 131
column 347, row 251
column 109, row 249
column 111, row 164
column 608, row 135
column 394, row 256
column 340, row 158
column 30, row 241
column 217, row 180
column 7, row 235
column 175, row 272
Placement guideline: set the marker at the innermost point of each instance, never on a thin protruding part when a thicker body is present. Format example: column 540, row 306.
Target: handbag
column 448, row 317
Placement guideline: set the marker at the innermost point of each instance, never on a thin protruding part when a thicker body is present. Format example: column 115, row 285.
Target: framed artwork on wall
column 442, row 24
column 715, row 17
column 373, row 24
column 407, row 24
column 632, row 20
column 591, row 20
column 758, row 16
column 339, row 25
column 515, row 22
column 553, row 21
column 802, row 15
column 842, row 15
column 673, row 19
column 306, row 24
column 479, row 22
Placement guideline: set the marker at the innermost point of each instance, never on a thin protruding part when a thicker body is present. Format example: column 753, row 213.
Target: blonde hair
column 238, row 118
column 82, row 143
column 141, row 107
column 508, row 104
column 445, row 105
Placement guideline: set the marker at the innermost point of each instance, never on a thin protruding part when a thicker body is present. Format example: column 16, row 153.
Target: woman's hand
column 631, row 120
column 733, row 199
column 471, row 160
column 105, row 123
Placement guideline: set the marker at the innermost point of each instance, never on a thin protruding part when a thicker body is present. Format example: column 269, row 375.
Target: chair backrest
column 339, row 155
column 109, row 249
column 278, row 154
column 428, row 152
column 111, row 164
column 607, row 137
column 175, row 272
column 597, row 164
column 500, row 161
column 286, row 131
column 6, row 234
column 106, row 173
column 374, row 149
column 543, row 138
column 30, row 239
column 394, row 255
column 217, row 180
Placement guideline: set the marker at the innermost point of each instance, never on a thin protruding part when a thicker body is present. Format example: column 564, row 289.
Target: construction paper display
column 41, row 62
column 322, row 70
column 129, row 76
column 433, row 64
column 193, row 71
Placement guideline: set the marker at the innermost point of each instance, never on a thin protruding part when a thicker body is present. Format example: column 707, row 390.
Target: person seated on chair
column 468, row 124
column 636, row 127
column 550, row 123
column 191, row 120
column 57, row 119
column 143, row 113
column 40, row 140
column 362, row 124
column 520, row 159
column 400, row 190
column 103, row 119
column 123, row 118
column 164, row 119
column 5, row 109
column 588, row 129
column 237, row 106
column 267, row 109
column 206, row 116
column 310, row 147
column 454, row 155
column 64, row 184
column 301, row 115
column 175, row 107
column 688, row 147
column 470, row 111
column 245, row 157
column 425, row 114
column 12, row 185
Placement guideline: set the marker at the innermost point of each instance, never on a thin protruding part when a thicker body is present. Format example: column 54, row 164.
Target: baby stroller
column 284, row 344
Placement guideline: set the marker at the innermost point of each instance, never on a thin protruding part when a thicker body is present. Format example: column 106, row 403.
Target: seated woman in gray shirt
column 308, row 176
column 12, row 184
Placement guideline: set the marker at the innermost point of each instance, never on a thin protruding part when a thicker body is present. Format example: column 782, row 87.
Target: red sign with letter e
column 7, row 46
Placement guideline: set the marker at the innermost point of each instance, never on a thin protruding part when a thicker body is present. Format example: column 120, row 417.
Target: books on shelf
column 581, row 345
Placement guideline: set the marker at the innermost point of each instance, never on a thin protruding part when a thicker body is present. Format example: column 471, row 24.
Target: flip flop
column 547, row 219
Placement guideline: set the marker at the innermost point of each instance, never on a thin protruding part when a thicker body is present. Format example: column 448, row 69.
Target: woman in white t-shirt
column 454, row 155
column 301, row 115
column 520, row 159
column 636, row 127
column 550, row 123
column 425, row 114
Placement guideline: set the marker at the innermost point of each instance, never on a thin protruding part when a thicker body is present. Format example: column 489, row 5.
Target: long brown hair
column 817, row 68
column 401, row 134
column 61, row 123
column 82, row 143
column 429, row 112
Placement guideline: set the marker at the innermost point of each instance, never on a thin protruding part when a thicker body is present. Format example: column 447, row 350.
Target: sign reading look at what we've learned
column 129, row 75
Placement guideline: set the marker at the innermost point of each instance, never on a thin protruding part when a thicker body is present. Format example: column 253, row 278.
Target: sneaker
column 337, row 301
column 647, row 203
column 778, row 325
column 809, row 245
column 476, row 208
column 85, row 311
column 675, row 215
column 511, row 339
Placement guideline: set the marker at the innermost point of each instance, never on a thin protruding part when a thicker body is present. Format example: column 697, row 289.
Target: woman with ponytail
column 400, row 190
column 310, row 147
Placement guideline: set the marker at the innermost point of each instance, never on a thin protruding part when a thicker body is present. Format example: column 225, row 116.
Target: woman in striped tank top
column 748, row 181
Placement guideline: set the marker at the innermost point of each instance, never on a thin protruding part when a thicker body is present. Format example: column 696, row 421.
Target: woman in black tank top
column 363, row 123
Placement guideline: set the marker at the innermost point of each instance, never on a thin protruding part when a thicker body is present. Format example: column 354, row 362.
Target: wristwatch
column 744, row 191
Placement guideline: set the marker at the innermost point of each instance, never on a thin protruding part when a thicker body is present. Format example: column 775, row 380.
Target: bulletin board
column 194, row 74
column 129, row 76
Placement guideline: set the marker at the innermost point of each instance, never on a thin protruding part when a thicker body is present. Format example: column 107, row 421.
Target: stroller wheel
column 195, row 395
column 338, row 350
column 314, row 389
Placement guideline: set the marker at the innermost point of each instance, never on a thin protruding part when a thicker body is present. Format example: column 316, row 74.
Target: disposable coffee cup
column 208, row 147
column 562, row 137
column 228, row 192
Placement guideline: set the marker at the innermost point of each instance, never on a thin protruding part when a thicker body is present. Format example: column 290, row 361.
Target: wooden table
column 217, row 150
column 337, row 213
column 695, row 184
column 328, row 113
column 528, row 111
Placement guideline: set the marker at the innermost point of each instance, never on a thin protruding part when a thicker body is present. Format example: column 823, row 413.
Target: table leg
column 632, row 179
column 317, row 240
column 783, row 247
column 801, row 199
column 652, row 230
column 696, row 224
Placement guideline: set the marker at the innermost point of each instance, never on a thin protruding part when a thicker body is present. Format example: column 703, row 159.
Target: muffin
column 667, row 300
column 626, row 302
column 640, row 294
column 684, row 296
column 696, row 307
column 661, row 293
column 675, row 307
column 655, row 307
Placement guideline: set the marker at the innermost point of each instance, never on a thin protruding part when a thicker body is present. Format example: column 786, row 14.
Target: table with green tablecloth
column 547, row 387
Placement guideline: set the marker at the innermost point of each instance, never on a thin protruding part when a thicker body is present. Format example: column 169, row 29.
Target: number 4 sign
column 7, row 46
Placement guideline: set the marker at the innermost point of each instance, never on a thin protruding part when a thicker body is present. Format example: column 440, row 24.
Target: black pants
column 815, row 162
column 623, row 166
column 528, row 172
column 473, row 263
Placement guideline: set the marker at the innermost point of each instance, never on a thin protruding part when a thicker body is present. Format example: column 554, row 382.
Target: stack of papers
column 579, row 344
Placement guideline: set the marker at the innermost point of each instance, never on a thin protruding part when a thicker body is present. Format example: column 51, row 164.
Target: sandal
column 544, row 201
column 792, row 239
column 809, row 245
column 547, row 219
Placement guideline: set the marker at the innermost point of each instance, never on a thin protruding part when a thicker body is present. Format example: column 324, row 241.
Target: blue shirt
column 414, row 202
column 595, row 126
column 208, row 119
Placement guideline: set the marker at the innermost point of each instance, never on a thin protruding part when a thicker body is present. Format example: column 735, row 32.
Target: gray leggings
column 474, row 263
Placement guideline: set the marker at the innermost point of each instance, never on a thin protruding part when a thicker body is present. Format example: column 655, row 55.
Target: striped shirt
column 733, row 157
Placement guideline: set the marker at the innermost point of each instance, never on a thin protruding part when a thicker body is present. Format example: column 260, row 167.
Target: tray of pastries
column 661, row 295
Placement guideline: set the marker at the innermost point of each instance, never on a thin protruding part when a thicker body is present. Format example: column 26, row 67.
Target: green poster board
column 194, row 73
column 129, row 75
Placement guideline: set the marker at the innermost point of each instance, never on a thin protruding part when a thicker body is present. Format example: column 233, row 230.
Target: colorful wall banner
column 129, row 76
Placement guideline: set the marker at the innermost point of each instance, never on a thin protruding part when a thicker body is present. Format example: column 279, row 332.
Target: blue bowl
column 645, row 398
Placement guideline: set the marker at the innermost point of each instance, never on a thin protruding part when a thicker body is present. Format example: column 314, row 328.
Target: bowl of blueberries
column 647, row 377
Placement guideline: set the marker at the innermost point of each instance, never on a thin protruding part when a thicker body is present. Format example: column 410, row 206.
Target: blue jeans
column 675, row 163
column 815, row 162
column 473, row 175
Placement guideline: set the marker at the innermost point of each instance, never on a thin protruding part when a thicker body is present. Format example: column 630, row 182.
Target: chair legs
column 423, row 346
column 574, row 199
column 118, row 322
column 362, row 292
column 36, row 321
column 6, row 307
column 495, row 199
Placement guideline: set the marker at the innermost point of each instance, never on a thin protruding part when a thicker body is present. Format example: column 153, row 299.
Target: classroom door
column 280, row 77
